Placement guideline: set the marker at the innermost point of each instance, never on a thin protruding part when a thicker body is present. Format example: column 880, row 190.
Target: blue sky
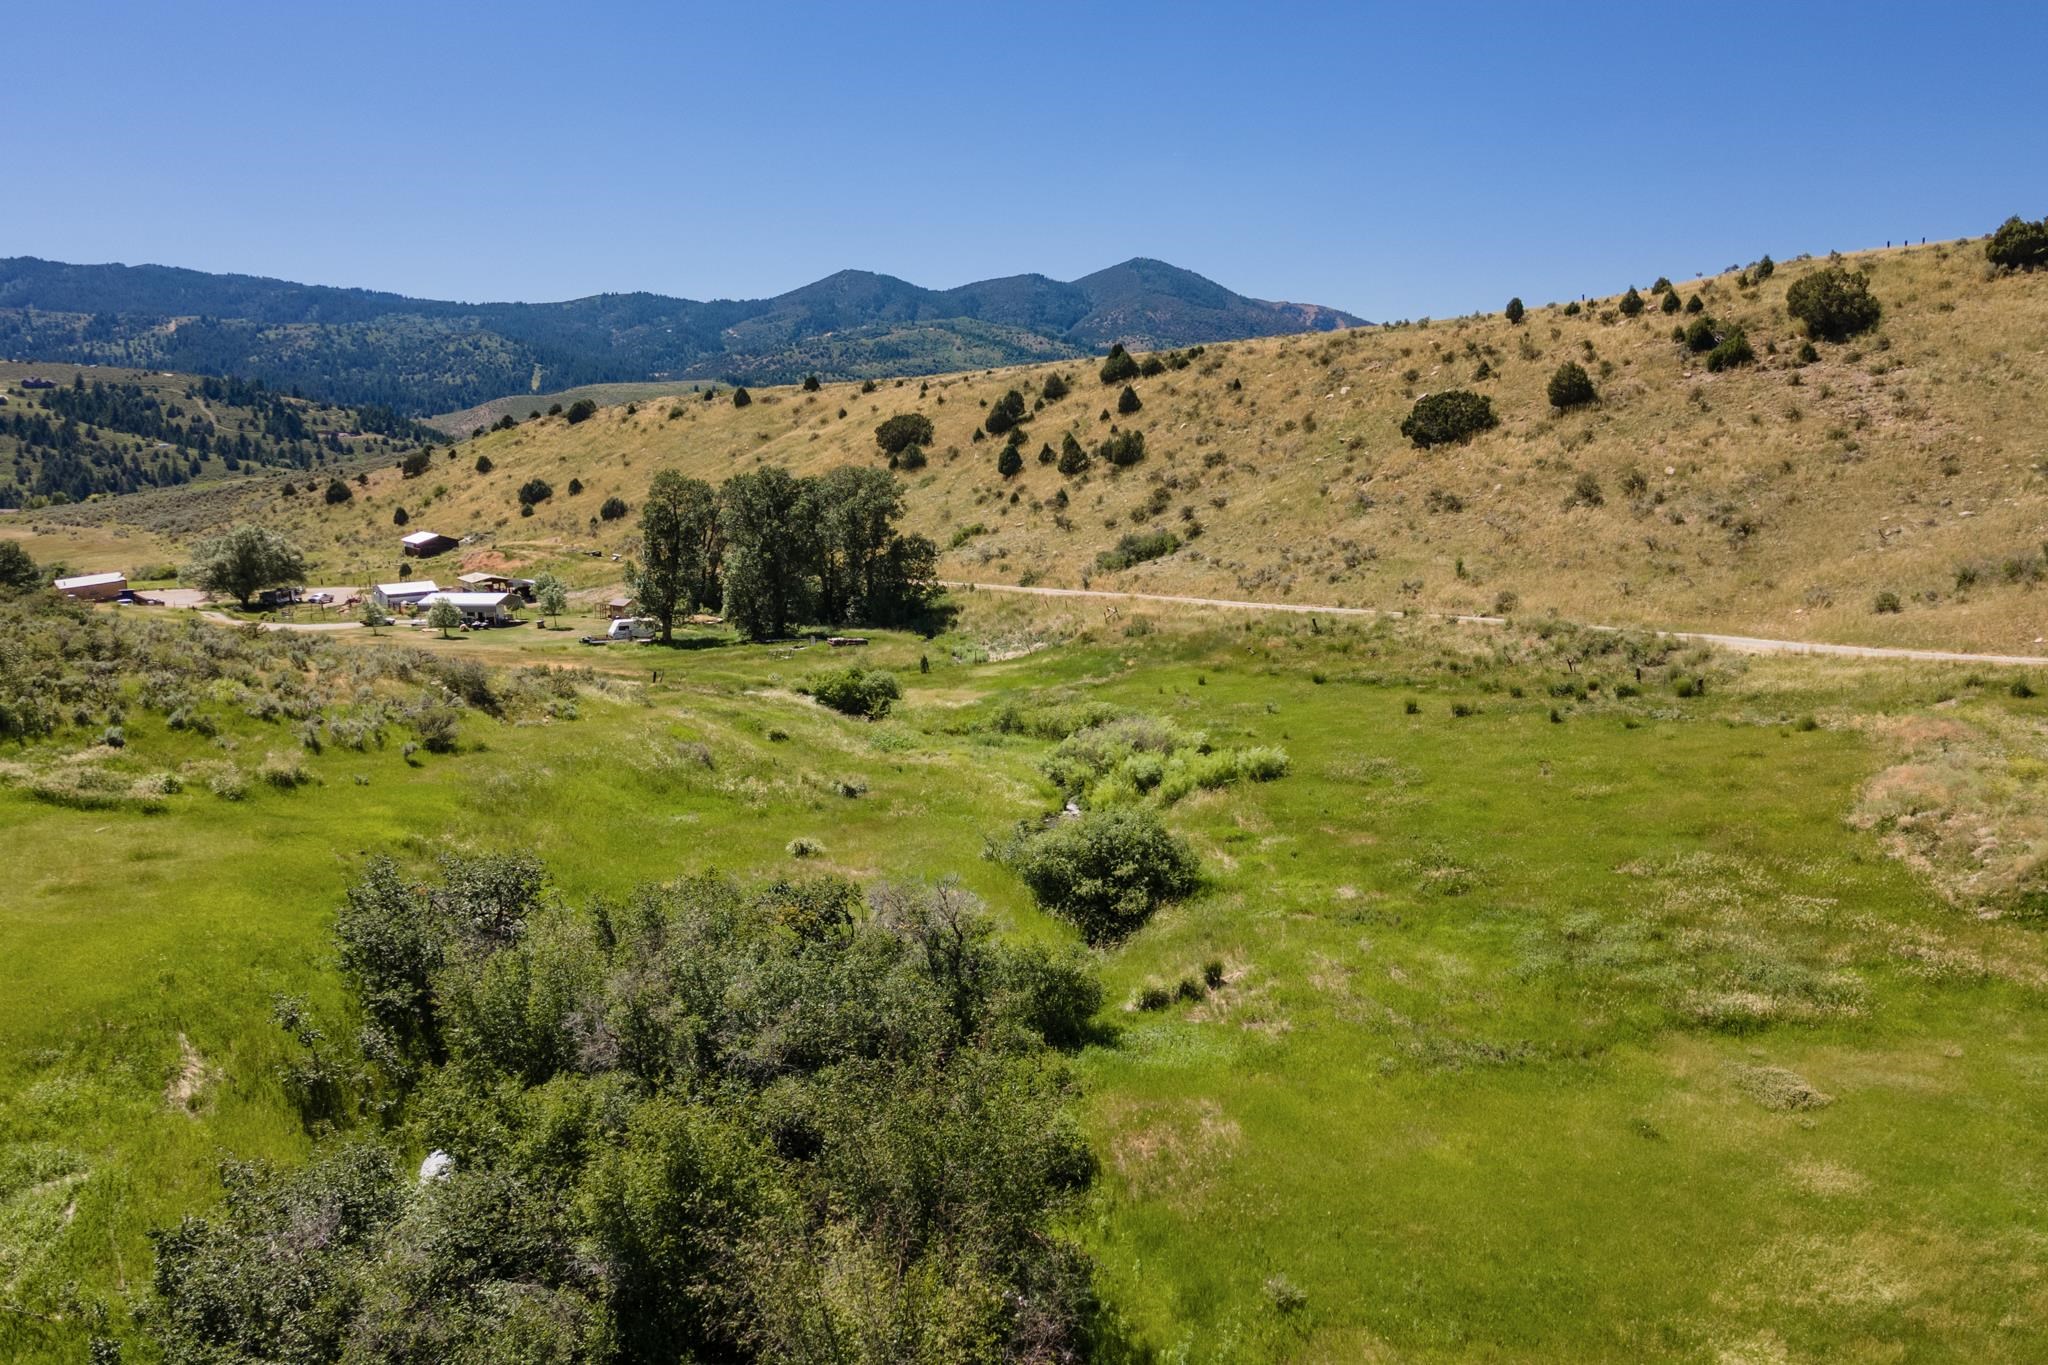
column 1393, row 160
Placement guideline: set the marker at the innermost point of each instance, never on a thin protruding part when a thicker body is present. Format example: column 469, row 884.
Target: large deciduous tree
column 680, row 546
column 771, row 541
column 245, row 561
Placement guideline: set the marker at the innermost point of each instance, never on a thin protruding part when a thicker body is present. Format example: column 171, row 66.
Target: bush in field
column 2018, row 245
column 1695, row 304
column 1010, row 463
column 1054, row 389
column 1701, row 335
column 483, row 464
column 1671, row 303
column 1136, row 548
column 1763, row 269
column 1005, row 413
column 1834, row 303
column 1073, row 459
column 1571, row 386
column 1105, row 871
column 535, row 491
column 1122, row 448
column 338, row 492
column 904, row 430
column 1515, row 311
column 864, row 692
column 741, row 398
column 1128, row 401
column 1631, row 303
column 613, row 509
column 1454, row 415
column 1118, row 367
column 582, row 410
column 416, row 464
column 812, row 383
column 1733, row 350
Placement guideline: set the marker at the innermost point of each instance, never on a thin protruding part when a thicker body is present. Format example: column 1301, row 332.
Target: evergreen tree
column 1009, row 464
column 1118, row 367
column 1515, row 312
column 1128, row 401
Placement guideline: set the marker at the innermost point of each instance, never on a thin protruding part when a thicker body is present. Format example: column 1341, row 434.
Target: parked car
column 320, row 598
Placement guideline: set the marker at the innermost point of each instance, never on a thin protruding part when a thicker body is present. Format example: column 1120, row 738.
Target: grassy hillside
column 1779, row 498
column 120, row 431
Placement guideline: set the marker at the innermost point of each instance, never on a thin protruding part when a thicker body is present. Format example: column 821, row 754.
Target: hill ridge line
column 1741, row 644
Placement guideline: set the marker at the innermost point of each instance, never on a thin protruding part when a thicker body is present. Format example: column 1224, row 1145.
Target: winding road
column 1740, row 644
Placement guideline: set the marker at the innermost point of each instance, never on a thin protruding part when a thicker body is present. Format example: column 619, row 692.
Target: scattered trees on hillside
column 1571, row 386
column 1453, row 415
column 1118, row 367
column 2018, row 245
column 1835, row 303
column 245, row 561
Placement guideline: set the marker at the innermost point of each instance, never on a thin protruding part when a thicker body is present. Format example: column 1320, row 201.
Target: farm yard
column 1495, row 937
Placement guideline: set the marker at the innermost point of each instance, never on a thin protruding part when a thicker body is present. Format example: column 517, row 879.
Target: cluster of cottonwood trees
column 771, row 549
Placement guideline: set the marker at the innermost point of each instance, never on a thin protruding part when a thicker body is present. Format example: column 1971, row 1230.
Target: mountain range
column 420, row 356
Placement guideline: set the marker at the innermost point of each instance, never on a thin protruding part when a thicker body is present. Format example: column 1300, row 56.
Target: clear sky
column 1394, row 160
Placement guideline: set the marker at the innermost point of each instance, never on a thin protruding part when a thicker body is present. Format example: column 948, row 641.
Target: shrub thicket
column 1454, row 415
column 727, row 1124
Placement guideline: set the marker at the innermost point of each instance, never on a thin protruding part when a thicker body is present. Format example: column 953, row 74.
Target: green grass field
column 1579, row 1026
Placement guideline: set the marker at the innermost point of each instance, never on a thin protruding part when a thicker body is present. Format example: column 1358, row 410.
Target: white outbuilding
column 482, row 607
column 397, row 596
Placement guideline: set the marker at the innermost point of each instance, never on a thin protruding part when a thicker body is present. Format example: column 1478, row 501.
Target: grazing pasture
column 1539, row 995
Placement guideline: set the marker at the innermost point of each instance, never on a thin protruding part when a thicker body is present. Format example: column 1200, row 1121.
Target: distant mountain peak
column 428, row 355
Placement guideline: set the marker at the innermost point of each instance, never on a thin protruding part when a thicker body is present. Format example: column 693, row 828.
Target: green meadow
column 1578, row 999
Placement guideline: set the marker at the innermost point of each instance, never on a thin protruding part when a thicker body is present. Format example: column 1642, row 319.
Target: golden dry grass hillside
column 1778, row 498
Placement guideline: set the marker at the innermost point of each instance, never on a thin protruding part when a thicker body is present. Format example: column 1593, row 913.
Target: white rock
column 437, row 1166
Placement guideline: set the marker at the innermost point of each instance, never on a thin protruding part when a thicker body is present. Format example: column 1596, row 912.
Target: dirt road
column 1740, row 644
